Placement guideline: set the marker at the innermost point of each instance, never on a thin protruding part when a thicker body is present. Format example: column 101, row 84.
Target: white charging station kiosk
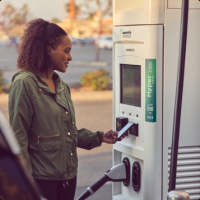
column 145, row 60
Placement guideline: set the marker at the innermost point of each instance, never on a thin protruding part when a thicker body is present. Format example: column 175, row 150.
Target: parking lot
column 83, row 60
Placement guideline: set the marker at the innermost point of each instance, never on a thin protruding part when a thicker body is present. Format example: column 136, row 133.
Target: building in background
column 80, row 28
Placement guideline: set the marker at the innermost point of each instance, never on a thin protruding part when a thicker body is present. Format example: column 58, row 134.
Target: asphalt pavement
column 94, row 115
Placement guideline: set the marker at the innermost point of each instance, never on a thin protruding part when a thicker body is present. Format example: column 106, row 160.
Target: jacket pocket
column 46, row 143
column 47, row 156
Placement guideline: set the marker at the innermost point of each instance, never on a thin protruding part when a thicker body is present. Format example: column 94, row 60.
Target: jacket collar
column 58, row 83
column 40, row 81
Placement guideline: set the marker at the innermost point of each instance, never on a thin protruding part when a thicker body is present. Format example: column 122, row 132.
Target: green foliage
column 2, row 81
column 55, row 20
column 68, row 7
column 97, row 80
column 11, row 16
column 91, row 15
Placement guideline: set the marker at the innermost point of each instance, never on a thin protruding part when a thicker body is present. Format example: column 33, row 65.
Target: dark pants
column 58, row 190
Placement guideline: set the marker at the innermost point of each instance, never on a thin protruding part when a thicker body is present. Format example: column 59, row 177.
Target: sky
column 45, row 9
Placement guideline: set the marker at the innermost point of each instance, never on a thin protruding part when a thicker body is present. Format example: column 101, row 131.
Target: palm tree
column 103, row 9
column 6, row 17
column 10, row 17
column 25, row 12
column 69, row 7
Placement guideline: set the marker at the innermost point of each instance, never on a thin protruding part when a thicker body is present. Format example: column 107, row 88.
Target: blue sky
column 46, row 9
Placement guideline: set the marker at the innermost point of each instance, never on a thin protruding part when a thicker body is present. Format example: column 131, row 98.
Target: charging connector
column 117, row 173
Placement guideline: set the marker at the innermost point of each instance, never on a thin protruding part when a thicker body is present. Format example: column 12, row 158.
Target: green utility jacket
column 45, row 126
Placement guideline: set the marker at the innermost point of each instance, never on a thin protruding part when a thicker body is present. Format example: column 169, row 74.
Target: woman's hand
column 110, row 137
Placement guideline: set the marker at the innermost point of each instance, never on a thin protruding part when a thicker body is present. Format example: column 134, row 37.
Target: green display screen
column 130, row 84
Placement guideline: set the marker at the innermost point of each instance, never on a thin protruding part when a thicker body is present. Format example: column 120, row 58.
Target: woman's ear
column 49, row 51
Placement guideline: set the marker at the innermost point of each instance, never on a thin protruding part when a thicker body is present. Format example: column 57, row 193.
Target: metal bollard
column 178, row 195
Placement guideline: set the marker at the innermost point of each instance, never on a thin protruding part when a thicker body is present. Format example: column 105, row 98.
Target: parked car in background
column 105, row 42
column 4, row 43
column 86, row 40
column 82, row 41
column 74, row 40
column 14, row 41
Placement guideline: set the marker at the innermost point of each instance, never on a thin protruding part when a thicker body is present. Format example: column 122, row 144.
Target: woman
column 41, row 111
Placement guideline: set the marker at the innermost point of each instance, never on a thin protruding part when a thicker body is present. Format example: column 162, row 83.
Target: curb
column 92, row 95
column 79, row 96
column 89, row 63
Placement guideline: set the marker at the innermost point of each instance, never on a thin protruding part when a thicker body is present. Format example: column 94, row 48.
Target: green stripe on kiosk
column 150, row 90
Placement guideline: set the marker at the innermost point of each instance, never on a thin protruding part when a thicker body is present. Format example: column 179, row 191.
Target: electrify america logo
column 125, row 34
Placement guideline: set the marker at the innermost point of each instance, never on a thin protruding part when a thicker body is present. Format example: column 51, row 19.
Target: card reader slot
column 131, row 128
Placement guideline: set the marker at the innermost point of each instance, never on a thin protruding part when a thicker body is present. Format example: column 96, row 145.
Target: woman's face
column 61, row 56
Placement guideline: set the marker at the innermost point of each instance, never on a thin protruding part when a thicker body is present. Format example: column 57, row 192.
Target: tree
column 6, row 17
column 91, row 15
column 97, row 5
column 20, row 16
column 72, row 9
column 24, row 13
column 98, row 9
column 11, row 17
column 55, row 20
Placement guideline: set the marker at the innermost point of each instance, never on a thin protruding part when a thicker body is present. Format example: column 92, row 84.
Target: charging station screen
column 131, row 84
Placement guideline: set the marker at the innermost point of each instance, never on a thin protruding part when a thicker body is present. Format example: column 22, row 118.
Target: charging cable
column 115, row 174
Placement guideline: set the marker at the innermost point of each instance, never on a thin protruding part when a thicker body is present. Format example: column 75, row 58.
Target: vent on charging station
column 188, row 170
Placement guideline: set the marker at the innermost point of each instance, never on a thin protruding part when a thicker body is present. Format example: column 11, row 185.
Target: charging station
column 145, row 60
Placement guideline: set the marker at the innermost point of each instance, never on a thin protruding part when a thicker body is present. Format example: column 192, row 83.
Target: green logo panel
column 150, row 90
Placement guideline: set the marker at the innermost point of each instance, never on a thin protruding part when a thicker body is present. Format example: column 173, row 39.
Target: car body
column 86, row 40
column 105, row 42
column 14, row 41
column 74, row 40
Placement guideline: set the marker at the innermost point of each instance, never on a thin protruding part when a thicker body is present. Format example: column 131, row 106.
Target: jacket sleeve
column 20, row 116
column 88, row 139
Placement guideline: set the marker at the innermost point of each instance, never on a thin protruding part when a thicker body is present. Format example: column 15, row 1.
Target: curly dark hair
column 32, row 51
